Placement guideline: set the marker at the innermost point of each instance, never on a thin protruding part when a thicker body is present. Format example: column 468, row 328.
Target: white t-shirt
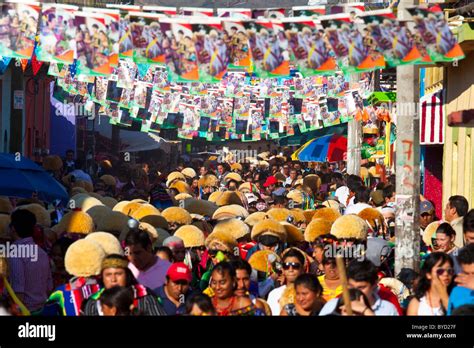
column 380, row 307
column 274, row 299
column 342, row 193
column 356, row 208
column 154, row 277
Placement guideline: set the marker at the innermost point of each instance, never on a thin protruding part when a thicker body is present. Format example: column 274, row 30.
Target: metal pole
column 407, row 232
column 354, row 135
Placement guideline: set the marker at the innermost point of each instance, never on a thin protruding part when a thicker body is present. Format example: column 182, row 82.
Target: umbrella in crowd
column 21, row 177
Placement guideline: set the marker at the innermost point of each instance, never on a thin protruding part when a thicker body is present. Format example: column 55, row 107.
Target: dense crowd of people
column 267, row 236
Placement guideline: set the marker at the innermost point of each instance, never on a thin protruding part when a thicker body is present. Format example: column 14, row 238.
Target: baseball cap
column 271, row 180
column 179, row 271
column 251, row 198
column 426, row 207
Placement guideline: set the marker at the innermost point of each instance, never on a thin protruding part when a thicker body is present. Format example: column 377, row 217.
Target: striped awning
column 432, row 122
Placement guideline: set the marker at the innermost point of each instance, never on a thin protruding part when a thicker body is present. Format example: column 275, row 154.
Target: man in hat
column 426, row 214
column 172, row 295
column 176, row 245
column 270, row 186
column 115, row 272
column 83, row 260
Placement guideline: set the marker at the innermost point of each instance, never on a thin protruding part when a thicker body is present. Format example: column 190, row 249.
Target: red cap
column 271, row 180
column 179, row 271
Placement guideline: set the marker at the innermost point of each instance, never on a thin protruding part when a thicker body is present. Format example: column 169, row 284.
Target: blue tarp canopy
column 21, row 177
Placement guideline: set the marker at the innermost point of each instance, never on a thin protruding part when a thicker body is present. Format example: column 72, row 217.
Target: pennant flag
column 73, row 68
column 143, row 69
column 4, row 61
column 24, row 64
column 35, row 64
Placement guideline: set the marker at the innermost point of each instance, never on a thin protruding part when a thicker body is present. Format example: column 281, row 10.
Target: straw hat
column 114, row 222
column 230, row 211
column 328, row 214
column 131, row 207
column 430, row 233
column 189, row 173
column 42, row 216
column 156, row 221
column 254, row 218
column 264, row 155
column 237, row 228
column 83, row 201
column 5, row 205
column 373, row 216
column 52, row 163
column 120, row 205
column 208, row 180
column 312, row 181
column 75, row 190
column 263, row 260
column 233, row 176
column 174, row 176
column 293, row 233
column 151, row 230
column 350, row 227
column 279, row 214
column 107, row 241
column 247, row 187
column 109, row 202
column 109, row 180
column 85, row 184
column 76, row 222
column 236, row 166
column 221, row 198
column 298, row 216
column 144, row 210
column 177, row 215
column 330, row 203
column 180, row 186
column 84, row 258
column 222, row 240
column 191, row 236
column 200, row 206
column 5, row 232
column 98, row 213
column 296, row 196
column 308, row 214
column 317, row 228
column 269, row 227
column 182, row 196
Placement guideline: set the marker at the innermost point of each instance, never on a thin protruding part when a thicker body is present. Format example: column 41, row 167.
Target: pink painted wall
column 433, row 185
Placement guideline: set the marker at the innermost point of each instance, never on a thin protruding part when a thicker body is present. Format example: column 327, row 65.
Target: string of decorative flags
column 245, row 74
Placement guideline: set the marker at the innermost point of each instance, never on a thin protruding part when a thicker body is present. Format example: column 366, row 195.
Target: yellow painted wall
column 458, row 158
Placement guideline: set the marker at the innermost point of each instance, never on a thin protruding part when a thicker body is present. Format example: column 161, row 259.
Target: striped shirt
column 31, row 276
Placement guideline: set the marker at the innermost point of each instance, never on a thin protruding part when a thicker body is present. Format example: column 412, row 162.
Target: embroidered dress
column 67, row 299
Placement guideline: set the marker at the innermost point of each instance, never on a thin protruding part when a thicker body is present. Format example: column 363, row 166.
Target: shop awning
column 329, row 148
column 432, row 123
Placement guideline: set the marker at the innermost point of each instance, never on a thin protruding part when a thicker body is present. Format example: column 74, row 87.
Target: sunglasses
column 441, row 271
column 294, row 265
